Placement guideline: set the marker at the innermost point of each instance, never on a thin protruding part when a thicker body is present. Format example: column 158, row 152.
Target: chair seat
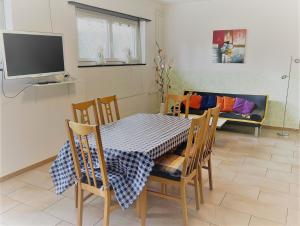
column 85, row 180
column 168, row 166
column 180, row 149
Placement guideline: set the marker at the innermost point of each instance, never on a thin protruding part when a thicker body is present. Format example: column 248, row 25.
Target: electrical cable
column 50, row 14
column 3, row 91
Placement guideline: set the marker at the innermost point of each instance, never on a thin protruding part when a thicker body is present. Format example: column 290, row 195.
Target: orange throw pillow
column 228, row 104
column 195, row 101
column 220, row 102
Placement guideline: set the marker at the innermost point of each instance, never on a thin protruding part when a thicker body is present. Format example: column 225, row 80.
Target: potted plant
column 163, row 70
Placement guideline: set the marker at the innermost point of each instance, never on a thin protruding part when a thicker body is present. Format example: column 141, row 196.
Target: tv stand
column 46, row 82
column 53, row 83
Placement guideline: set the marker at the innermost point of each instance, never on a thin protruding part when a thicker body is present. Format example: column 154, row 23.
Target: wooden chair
column 86, row 180
column 84, row 118
column 176, row 102
column 106, row 103
column 205, row 157
column 180, row 171
column 84, row 108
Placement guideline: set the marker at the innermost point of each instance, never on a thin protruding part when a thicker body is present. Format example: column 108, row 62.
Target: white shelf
column 69, row 81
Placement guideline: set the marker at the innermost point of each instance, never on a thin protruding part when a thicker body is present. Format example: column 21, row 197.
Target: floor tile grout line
column 258, row 194
column 250, row 219
column 287, row 215
column 244, row 212
column 266, row 172
column 39, row 210
column 19, row 203
column 222, row 199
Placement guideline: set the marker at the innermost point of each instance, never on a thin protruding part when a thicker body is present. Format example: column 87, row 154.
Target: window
column 105, row 39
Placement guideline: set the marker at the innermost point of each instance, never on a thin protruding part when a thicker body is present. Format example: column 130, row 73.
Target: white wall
column 273, row 36
column 1, row 14
column 32, row 125
column 1, row 28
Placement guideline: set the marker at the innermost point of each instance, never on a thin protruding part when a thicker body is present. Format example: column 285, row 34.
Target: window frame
column 138, row 60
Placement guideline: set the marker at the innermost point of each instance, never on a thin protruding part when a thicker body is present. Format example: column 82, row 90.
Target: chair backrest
column 213, row 116
column 83, row 108
column 176, row 101
column 105, row 102
column 83, row 153
column 195, row 143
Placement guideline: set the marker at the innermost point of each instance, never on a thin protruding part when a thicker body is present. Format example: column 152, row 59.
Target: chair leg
column 143, row 205
column 76, row 195
column 138, row 208
column 184, row 203
column 163, row 188
column 79, row 205
column 210, row 175
column 200, row 184
column 107, row 199
column 197, row 192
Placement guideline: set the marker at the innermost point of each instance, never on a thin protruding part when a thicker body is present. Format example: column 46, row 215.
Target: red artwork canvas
column 229, row 46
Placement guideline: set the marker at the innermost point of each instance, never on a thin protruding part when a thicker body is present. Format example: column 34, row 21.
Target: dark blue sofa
column 255, row 119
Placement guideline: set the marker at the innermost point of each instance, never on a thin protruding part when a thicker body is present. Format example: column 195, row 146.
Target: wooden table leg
column 143, row 206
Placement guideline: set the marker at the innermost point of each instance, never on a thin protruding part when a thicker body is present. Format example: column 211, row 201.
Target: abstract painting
column 229, row 46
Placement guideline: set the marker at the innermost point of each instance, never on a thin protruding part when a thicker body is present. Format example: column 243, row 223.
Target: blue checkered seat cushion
column 84, row 179
column 169, row 167
column 180, row 149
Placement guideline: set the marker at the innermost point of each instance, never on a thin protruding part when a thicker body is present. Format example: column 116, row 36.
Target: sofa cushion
column 248, row 107
column 195, row 101
column 196, row 111
column 212, row 101
column 238, row 105
column 228, row 104
column 234, row 115
column 220, row 102
column 208, row 102
column 204, row 103
column 257, row 115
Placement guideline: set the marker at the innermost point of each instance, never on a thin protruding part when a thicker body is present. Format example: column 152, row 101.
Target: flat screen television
column 32, row 54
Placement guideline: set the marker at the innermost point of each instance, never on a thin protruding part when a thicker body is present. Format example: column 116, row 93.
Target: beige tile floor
column 256, row 183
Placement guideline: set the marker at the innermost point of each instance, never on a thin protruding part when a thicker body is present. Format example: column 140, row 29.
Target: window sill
column 110, row 65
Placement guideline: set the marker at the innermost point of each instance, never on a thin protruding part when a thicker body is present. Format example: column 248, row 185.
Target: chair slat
column 83, row 109
column 106, row 114
column 176, row 101
column 91, row 163
column 83, row 154
column 195, row 144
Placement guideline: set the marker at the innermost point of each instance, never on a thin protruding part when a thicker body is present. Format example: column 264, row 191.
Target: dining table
column 130, row 147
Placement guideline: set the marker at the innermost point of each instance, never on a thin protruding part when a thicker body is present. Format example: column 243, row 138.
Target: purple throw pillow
column 238, row 105
column 248, row 107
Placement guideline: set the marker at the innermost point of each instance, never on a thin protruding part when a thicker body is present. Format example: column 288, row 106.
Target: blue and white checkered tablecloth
column 130, row 146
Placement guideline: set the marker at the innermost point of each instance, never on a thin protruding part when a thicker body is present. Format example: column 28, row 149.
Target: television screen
column 30, row 55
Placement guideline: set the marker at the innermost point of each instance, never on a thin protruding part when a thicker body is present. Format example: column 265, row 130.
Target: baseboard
column 280, row 128
column 28, row 168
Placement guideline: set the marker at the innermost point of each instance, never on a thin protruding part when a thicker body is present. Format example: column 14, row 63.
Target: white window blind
column 104, row 39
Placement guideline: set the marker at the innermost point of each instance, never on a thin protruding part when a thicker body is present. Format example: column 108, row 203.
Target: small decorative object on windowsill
column 101, row 56
column 283, row 131
column 162, row 76
column 129, row 56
